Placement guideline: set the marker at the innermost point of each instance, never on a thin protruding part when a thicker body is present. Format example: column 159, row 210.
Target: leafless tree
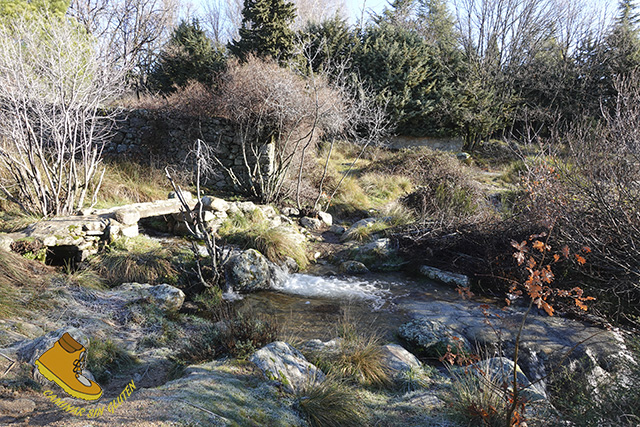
column 496, row 32
column 202, row 157
column 53, row 122
column 133, row 30
column 222, row 19
column 353, row 114
column 316, row 11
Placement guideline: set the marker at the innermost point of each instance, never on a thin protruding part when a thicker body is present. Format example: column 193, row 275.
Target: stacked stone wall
column 165, row 138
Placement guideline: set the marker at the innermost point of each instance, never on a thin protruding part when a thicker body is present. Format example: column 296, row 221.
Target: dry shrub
column 276, row 109
column 592, row 201
column 444, row 189
column 192, row 100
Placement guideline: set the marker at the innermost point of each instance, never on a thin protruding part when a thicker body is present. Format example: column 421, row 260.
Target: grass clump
column 21, row 284
column 330, row 403
column 105, row 358
column 237, row 334
column 13, row 220
column 137, row 260
column 364, row 233
column 389, row 216
column 84, row 276
column 252, row 230
column 350, row 199
column 476, row 398
column 359, row 357
column 415, row 379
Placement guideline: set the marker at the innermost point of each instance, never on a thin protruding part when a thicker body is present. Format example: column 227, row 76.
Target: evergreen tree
column 436, row 24
column 330, row 41
column 398, row 65
column 604, row 61
column 189, row 55
column 266, row 30
column 433, row 105
column 627, row 15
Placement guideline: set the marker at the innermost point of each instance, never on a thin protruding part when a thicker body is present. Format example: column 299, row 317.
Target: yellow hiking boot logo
column 63, row 364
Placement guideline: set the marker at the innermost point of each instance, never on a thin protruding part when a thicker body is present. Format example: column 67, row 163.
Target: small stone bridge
column 76, row 237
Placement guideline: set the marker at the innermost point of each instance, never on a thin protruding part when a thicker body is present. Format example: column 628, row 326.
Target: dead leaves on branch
column 532, row 254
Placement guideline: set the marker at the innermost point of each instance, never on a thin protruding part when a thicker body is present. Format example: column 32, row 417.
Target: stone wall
column 165, row 138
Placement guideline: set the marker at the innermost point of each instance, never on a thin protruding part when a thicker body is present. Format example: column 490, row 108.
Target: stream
column 312, row 305
column 309, row 306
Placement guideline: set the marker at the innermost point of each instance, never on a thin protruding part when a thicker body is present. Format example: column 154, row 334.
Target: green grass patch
column 363, row 188
column 253, row 231
column 105, row 358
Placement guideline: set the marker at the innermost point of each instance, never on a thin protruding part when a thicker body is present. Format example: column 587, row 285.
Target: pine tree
column 266, row 30
column 398, row 65
column 331, row 42
column 604, row 62
column 189, row 55
column 627, row 15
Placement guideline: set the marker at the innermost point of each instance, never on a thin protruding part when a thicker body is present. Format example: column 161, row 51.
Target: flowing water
column 311, row 306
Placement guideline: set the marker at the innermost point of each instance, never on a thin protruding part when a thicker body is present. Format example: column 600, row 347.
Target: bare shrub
column 444, row 191
column 591, row 197
column 279, row 116
column 53, row 124
column 192, row 100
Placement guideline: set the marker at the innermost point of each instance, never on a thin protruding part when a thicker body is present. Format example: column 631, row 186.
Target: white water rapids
column 333, row 287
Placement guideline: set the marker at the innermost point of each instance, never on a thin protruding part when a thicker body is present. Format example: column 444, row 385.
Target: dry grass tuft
column 331, row 403
column 21, row 282
column 136, row 260
column 359, row 357
column 128, row 182
column 253, row 231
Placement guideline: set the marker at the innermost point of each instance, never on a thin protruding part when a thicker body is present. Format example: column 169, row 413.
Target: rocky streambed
column 417, row 315
column 415, row 320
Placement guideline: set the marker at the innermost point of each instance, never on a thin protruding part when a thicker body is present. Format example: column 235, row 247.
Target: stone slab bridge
column 74, row 238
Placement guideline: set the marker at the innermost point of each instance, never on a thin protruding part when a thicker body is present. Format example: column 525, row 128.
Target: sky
column 355, row 7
